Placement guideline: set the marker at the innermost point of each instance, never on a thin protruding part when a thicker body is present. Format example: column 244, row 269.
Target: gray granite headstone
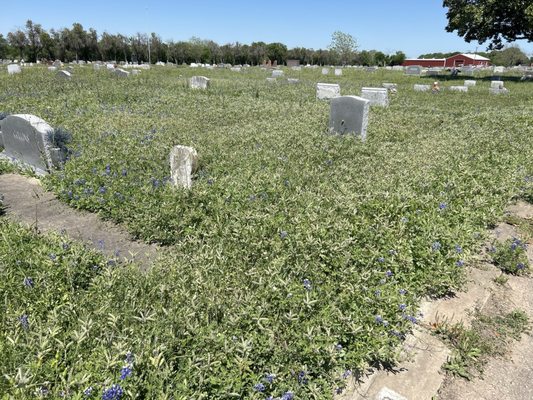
column 122, row 73
column 183, row 163
column 470, row 83
column 422, row 88
column 327, row 90
column 277, row 73
column 349, row 115
column 377, row 96
column 13, row 69
column 496, row 84
column 64, row 74
column 371, row 69
column 26, row 140
column 293, row 80
column 413, row 70
column 199, row 82
column 459, row 88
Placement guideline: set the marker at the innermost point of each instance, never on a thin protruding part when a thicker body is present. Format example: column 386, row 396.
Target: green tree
column 343, row 45
column 4, row 47
column 33, row 33
column 509, row 57
column 18, row 40
column 495, row 21
column 397, row 58
column 277, row 52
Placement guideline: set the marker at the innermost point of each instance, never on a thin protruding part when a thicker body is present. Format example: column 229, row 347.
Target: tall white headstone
column 199, row 82
column 183, row 163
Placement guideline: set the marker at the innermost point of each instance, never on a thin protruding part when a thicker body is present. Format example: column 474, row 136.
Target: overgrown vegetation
column 296, row 254
column 511, row 256
column 488, row 337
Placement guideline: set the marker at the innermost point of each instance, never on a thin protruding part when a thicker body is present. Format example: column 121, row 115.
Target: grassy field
column 297, row 254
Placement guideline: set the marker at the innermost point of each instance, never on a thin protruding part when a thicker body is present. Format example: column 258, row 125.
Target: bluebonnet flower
column 379, row 319
column 403, row 307
column 101, row 244
column 329, row 162
column 307, row 284
column 87, row 392
column 125, row 372
column 339, row 390
column 79, row 182
column 520, row 266
column 410, row 318
column 124, row 172
column 459, row 263
column 458, row 249
column 107, row 169
column 115, row 392
column 402, row 291
column 389, row 273
column 117, row 253
column 111, row 263
column 88, row 191
column 283, row 234
column 76, row 197
column 210, row 181
column 155, row 182
column 69, row 194
column 24, row 321
column 436, row 246
column 393, row 252
column 259, row 387
column 442, row 206
column 28, row 282
column 65, row 246
column 52, row 256
column 338, row 347
column 377, row 293
column 346, row 374
column 302, row 379
column 102, row 189
column 381, row 259
column 270, row 378
column 287, row 396
column 404, row 220
column 286, row 182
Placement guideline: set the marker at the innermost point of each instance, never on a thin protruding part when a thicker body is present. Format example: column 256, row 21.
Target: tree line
column 33, row 43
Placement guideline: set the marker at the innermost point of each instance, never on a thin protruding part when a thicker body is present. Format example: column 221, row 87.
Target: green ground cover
column 296, row 254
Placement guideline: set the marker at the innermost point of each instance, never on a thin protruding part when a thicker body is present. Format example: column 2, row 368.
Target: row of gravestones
column 496, row 87
column 29, row 141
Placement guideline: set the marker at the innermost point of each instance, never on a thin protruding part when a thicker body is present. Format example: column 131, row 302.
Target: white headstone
column 52, row 68
column 235, row 69
column 64, row 74
column 422, row 88
column 27, row 140
column 499, row 70
column 327, row 91
column 377, row 96
column 349, row 115
column 13, row 69
column 498, row 90
column 183, row 163
column 277, row 73
column 325, row 71
column 496, row 84
column 122, row 73
column 110, row 66
column 459, row 88
column 338, row 72
column 470, row 83
column 413, row 70
column 390, row 86
column 271, row 80
column 199, row 82
column 293, row 80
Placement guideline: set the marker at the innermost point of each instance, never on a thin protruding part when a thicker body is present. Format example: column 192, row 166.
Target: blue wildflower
column 436, row 246
column 102, row 189
column 458, row 249
column 124, row 172
column 307, row 284
column 329, row 162
column 403, row 307
column 283, row 234
column 379, row 319
column 381, row 259
column 346, row 374
column 520, row 266
column 389, row 273
column 270, row 378
column 210, row 181
column 338, row 347
column 125, row 372
column 52, row 256
column 377, row 293
column 129, row 357
column 87, row 392
column 101, row 244
column 259, row 387
column 28, row 282
column 459, row 263
column 65, row 246
column 115, row 392
column 287, row 396
column 402, row 291
column 107, row 169
column 302, row 378
column 442, row 206
column 24, row 321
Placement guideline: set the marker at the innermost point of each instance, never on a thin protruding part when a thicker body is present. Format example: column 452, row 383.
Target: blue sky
column 413, row 26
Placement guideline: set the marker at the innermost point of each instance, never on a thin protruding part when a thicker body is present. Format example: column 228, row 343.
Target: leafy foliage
column 344, row 45
column 489, row 20
column 511, row 256
column 297, row 254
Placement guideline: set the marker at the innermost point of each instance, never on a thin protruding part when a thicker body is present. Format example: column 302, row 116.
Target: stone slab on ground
column 27, row 202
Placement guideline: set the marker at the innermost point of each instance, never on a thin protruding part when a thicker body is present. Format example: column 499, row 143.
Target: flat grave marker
column 327, row 91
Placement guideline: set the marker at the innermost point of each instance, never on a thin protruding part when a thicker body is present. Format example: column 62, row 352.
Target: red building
column 459, row 60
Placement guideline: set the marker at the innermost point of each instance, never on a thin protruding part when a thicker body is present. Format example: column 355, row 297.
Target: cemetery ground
column 297, row 260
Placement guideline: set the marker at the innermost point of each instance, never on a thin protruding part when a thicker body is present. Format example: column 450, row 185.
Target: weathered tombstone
column 160, row 63
column 27, row 139
column 470, row 83
column 64, row 74
column 97, row 67
column 13, row 69
column 496, row 84
column 194, row 65
column 52, row 68
column 135, row 71
column 459, row 88
column 349, row 115
column 199, row 82
column 183, row 163
column 371, row 69
column 338, row 72
column 390, row 86
column 413, row 70
column 397, row 67
column 235, row 69
column 297, row 68
column 422, row 88
column 293, row 80
column 376, row 96
column 271, row 79
column 57, row 64
column 122, row 73
column 277, row 73
column 501, row 90
column 325, row 71
column 499, row 70
column 327, row 91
